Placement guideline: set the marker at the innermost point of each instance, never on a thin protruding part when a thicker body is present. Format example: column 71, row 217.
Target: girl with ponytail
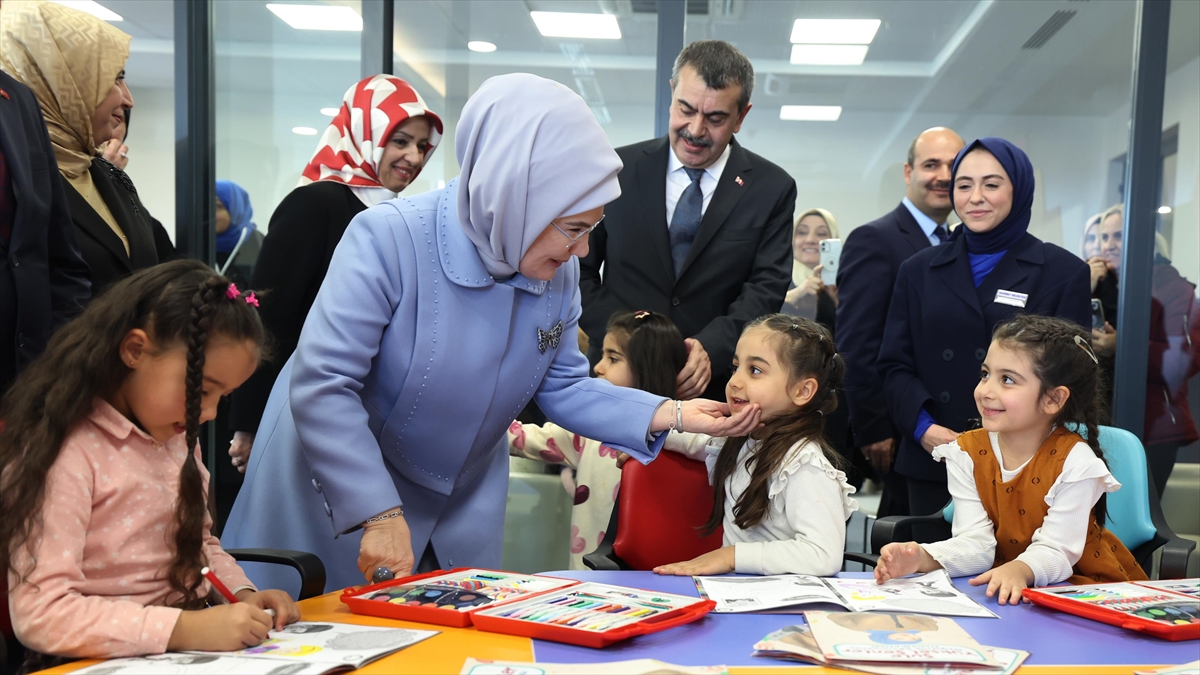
column 104, row 520
column 777, row 493
column 1028, row 489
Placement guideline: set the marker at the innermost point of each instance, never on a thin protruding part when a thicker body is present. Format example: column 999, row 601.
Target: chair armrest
column 1174, row 561
column 310, row 567
column 869, row 559
column 898, row 528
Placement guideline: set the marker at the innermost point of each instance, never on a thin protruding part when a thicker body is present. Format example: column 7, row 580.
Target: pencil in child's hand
column 212, row 579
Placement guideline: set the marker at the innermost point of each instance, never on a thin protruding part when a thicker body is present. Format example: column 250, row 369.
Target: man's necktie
column 942, row 233
column 686, row 220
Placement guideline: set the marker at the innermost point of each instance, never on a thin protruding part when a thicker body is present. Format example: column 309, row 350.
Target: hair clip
column 641, row 314
column 232, row 292
column 251, row 299
column 1083, row 344
column 795, row 326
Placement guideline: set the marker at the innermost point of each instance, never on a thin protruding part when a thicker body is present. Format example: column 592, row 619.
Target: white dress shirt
column 677, row 181
column 1056, row 545
column 927, row 225
column 804, row 530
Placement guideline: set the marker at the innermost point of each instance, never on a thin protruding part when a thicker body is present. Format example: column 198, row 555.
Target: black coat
column 107, row 260
column 738, row 268
column 871, row 259
column 939, row 327
column 43, row 278
column 304, row 230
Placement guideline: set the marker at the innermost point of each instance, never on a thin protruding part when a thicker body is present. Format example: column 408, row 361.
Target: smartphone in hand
column 831, row 252
column 1097, row 315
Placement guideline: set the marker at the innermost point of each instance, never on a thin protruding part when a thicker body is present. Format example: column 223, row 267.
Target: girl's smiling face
column 1009, row 394
column 614, row 365
column 759, row 377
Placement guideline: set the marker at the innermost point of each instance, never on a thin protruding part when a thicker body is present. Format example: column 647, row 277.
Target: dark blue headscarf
column 1020, row 172
column 237, row 202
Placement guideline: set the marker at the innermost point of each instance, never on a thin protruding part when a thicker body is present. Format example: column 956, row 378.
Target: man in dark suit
column 870, row 261
column 702, row 229
column 43, row 280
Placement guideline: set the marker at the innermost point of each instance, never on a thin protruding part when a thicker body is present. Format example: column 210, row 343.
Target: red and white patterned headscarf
column 352, row 145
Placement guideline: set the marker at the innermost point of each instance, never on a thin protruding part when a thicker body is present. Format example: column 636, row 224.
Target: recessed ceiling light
column 481, row 46
column 1164, row 210
column 331, row 112
column 810, row 113
column 573, row 25
column 91, row 7
column 318, row 17
column 304, row 131
column 829, row 55
column 834, row 31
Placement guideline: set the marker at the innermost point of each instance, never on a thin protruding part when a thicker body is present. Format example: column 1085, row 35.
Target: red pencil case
column 1154, row 611
column 448, row 598
column 592, row 615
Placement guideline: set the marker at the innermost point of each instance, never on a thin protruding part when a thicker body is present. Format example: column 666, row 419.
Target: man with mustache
column 871, row 257
column 702, row 229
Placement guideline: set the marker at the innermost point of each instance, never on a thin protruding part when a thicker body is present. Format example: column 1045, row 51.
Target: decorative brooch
column 549, row 338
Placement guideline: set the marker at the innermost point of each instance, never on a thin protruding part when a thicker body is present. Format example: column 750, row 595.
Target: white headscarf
column 530, row 151
column 800, row 271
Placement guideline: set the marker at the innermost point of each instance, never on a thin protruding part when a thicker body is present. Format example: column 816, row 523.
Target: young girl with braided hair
column 777, row 493
column 104, row 519
column 1029, row 492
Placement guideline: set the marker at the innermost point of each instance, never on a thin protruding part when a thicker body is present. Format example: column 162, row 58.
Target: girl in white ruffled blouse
column 778, row 495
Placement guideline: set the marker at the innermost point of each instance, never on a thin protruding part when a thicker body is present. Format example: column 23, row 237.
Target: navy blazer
column 737, row 269
column 939, row 327
column 871, row 259
column 45, row 280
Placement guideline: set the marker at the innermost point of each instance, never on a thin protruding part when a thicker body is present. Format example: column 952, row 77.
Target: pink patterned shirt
column 99, row 588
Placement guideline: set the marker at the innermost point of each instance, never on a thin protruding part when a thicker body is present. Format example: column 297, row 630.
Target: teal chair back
column 1128, row 508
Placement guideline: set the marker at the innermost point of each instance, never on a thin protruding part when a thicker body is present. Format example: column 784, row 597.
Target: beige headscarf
column 70, row 60
column 800, row 271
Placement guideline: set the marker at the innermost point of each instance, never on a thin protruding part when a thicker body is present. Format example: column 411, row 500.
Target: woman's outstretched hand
column 702, row 416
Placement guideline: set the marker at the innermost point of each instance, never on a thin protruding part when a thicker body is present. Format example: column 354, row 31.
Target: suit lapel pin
column 4, row 93
column 738, row 180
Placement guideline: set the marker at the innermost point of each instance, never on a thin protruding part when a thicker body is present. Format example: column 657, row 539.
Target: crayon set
column 592, row 614
column 1152, row 609
column 426, row 598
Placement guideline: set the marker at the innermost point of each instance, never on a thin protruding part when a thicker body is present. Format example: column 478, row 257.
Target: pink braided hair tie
column 232, row 292
column 251, row 300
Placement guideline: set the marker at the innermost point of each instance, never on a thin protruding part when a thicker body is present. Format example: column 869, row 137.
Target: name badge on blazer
column 1011, row 298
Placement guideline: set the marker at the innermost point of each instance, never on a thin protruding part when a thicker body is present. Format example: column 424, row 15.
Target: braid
column 191, row 506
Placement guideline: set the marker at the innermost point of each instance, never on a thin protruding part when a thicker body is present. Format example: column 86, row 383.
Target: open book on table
column 303, row 648
column 931, row 593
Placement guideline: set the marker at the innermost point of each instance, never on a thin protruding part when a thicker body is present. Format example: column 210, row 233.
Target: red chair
column 658, row 515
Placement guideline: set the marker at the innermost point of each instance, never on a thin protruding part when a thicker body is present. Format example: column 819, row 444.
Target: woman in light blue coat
column 442, row 315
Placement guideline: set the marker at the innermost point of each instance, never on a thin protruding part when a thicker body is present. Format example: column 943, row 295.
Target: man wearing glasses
column 702, row 229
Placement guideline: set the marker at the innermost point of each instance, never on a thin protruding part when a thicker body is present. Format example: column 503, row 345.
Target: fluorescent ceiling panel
column 1164, row 210
column 304, row 131
column 331, row 112
column 481, row 46
column 573, row 25
column 834, row 31
column 829, row 55
column 318, row 17
column 94, row 8
column 810, row 113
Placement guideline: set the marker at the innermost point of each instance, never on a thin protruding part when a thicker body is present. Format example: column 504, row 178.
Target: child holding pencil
column 103, row 510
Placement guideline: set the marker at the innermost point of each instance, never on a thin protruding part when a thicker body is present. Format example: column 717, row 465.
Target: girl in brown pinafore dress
column 1029, row 503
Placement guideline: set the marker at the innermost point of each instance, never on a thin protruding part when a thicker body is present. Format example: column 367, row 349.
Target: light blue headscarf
column 530, row 151
column 237, row 203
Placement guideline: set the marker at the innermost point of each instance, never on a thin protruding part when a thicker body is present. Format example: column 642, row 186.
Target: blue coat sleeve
column 340, row 339
column 906, row 393
column 591, row 407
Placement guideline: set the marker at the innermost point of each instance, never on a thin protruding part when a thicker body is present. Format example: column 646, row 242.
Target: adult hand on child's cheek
column 702, row 416
column 696, row 373
column 286, row 611
column 1006, row 582
column 720, row 561
column 386, row 543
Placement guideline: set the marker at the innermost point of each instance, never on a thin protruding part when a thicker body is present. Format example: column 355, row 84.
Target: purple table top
column 1052, row 637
